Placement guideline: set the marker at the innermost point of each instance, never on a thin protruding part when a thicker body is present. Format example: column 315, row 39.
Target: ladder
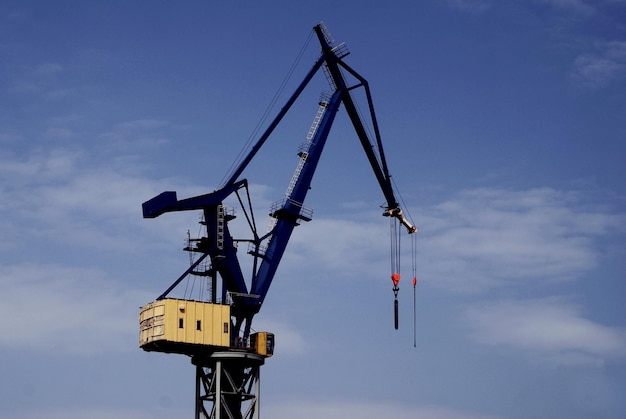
column 303, row 153
column 305, row 147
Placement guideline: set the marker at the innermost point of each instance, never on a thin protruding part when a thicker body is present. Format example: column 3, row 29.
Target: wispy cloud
column 58, row 213
column 38, row 166
column 476, row 240
column 470, row 6
column 328, row 409
column 73, row 310
column 97, row 412
column 292, row 343
column 489, row 237
column 46, row 70
column 60, row 195
column 144, row 132
column 340, row 246
column 331, row 409
column 574, row 6
column 43, row 81
column 602, row 67
column 554, row 327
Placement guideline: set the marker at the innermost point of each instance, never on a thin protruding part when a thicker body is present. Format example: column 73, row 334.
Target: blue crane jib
column 267, row 248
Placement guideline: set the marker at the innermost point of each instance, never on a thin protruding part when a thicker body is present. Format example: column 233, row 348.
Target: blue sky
column 503, row 124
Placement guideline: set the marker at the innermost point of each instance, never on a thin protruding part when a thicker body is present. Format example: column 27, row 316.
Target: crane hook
column 395, row 278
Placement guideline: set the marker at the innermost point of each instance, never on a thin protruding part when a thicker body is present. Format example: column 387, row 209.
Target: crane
column 217, row 333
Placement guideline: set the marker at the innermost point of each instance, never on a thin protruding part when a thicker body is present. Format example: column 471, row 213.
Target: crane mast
column 232, row 354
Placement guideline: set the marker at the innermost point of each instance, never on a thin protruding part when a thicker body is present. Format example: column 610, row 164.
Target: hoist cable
column 405, row 209
column 414, row 317
column 398, row 247
column 395, row 233
column 266, row 114
column 414, row 273
column 392, row 234
column 414, row 255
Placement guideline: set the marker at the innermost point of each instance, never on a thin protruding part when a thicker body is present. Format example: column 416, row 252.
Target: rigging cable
column 190, row 264
column 266, row 114
column 413, row 263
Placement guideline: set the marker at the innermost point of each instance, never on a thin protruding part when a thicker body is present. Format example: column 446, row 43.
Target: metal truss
column 228, row 385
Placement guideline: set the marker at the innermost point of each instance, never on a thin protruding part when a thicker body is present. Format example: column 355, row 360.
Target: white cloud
column 9, row 138
column 41, row 79
column 488, row 237
column 100, row 413
column 71, row 310
column 57, row 196
column 46, row 70
column 55, row 133
column 574, row 6
column 331, row 409
column 472, row 6
column 476, row 240
column 340, row 246
column 294, row 409
column 603, row 67
column 38, row 166
column 290, row 341
column 142, row 133
column 553, row 327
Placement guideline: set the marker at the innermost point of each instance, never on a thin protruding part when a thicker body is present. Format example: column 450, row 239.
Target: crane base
column 227, row 385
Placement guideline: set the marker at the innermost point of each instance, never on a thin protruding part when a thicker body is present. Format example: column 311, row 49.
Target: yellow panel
column 166, row 322
column 262, row 343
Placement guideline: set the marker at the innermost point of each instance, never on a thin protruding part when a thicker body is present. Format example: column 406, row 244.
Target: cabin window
column 198, row 324
column 180, row 323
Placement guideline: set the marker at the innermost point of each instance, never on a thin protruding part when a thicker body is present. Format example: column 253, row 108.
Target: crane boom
column 267, row 250
column 378, row 163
